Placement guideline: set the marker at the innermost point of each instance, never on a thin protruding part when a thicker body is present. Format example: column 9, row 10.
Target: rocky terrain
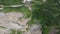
column 17, row 21
column 10, row 21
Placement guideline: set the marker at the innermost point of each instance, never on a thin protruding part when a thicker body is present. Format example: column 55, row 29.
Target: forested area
column 47, row 13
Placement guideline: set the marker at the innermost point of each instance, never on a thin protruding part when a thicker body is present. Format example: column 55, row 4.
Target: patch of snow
column 1, row 8
column 27, row 1
column 16, row 5
column 44, row 0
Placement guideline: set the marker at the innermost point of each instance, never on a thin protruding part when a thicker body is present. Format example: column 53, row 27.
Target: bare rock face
column 53, row 30
column 34, row 29
column 4, row 31
column 10, row 21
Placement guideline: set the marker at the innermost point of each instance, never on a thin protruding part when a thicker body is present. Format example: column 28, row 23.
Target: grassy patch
column 10, row 2
column 19, row 32
column 31, row 22
column 2, row 27
column 26, row 11
column 45, row 30
column 22, row 9
column 15, row 31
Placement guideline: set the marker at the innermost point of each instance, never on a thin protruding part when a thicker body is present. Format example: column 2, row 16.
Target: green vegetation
column 2, row 27
column 21, row 9
column 15, row 31
column 45, row 30
column 47, row 12
column 10, row 2
column 31, row 22
column 19, row 32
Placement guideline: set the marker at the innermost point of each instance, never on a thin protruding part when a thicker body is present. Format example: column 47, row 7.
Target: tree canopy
column 47, row 12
